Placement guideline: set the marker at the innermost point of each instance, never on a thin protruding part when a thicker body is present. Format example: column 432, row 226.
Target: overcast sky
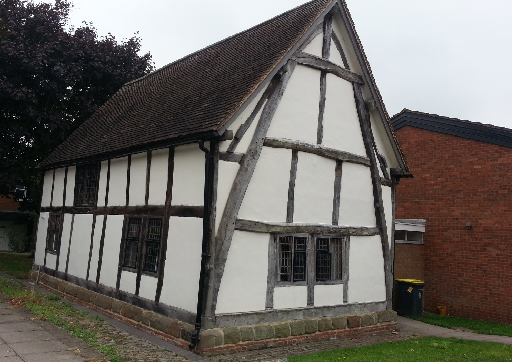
column 448, row 57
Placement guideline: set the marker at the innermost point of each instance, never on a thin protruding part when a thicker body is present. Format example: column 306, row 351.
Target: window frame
column 54, row 233
column 142, row 244
column 83, row 192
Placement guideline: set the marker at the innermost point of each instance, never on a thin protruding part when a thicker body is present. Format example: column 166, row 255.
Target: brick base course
column 229, row 339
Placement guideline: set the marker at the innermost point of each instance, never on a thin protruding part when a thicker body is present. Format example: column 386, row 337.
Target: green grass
column 60, row 313
column 16, row 265
column 429, row 349
column 481, row 327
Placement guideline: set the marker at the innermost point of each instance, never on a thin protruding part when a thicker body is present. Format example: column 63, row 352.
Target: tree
column 51, row 80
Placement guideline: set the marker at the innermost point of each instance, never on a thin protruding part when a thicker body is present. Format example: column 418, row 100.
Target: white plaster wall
column 64, row 241
column 158, row 177
column 70, row 187
column 388, row 211
column 42, row 229
column 80, row 246
column 95, row 256
column 266, row 197
column 128, row 281
column 328, row 295
column 296, row 117
column 147, row 287
column 47, row 188
column 339, row 28
column 335, row 55
column 366, row 270
column 188, row 182
column 111, row 246
column 183, row 263
column 382, row 141
column 341, row 122
column 244, row 284
column 118, row 173
column 58, row 189
column 51, row 261
column 241, row 119
column 138, row 170
column 315, row 47
column 356, row 200
column 102, row 184
column 314, row 189
column 290, row 297
column 226, row 175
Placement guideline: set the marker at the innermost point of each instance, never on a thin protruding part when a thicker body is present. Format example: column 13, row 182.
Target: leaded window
column 131, row 248
column 54, row 232
column 329, row 259
column 153, row 245
column 292, row 258
column 86, row 185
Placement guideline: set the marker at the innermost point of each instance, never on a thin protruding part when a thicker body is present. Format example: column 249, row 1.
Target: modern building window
column 409, row 231
column 142, row 244
column 86, row 184
column 54, row 233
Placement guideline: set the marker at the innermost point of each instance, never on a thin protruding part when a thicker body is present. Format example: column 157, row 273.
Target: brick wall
column 8, row 204
column 459, row 181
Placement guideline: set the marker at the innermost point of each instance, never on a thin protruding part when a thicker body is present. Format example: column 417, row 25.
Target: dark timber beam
column 316, row 150
column 327, row 66
column 276, row 227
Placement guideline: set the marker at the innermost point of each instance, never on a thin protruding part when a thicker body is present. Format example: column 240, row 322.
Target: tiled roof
column 453, row 126
column 192, row 97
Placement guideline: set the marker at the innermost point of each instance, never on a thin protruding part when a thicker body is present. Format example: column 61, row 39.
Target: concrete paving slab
column 65, row 356
column 24, row 348
column 19, row 327
column 11, row 317
column 26, row 336
column 6, row 351
column 11, row 359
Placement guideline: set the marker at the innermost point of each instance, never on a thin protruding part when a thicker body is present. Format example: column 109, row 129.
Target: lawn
column 16, row 265
column 428, row 349
column 476, row 326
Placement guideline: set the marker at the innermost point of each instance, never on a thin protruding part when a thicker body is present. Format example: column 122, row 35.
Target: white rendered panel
column 266, row 197
column 58, row 188
column 315, row 47
column 339, row 28
column 102, row 184
column 70, row 187
column 366, row 270
column 47, row 188
column 64, row 241
column 291, row 297
column 388, row 211
column 382, row 141
column 138, row 170
column 241, row 119
column 158, row 177
column 188, row 181
column 183, row 263
column 342, row 130
column 118, row 180
column 226, row 175
column 95, row 256
column 128, row 281
column 42, row 230
column 335, row 55
column 328, row 295
column 314, row 189
column 80, row 246
column 356, row 201
column 51, row 261
column 147, row 287
column 244, row 284
column 296, row 117
column 111, row 246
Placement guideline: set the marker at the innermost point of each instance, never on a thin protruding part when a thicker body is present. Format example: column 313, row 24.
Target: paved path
column 413, row 327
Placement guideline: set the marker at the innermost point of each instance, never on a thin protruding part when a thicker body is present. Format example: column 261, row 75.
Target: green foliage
column 19, row 241
column 16, row 265
column 430, row 349
column 51, row 79
column 476, row 326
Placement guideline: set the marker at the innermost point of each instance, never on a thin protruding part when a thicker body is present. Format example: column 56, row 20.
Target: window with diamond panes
column 131, row 246
column 292, row 258
column 153, row 245
column 86, row 185
column 54, row 233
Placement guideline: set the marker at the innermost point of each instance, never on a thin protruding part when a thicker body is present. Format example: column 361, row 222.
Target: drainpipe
column 209, row 166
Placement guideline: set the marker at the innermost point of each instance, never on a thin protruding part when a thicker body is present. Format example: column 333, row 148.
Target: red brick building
column 462, row 187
